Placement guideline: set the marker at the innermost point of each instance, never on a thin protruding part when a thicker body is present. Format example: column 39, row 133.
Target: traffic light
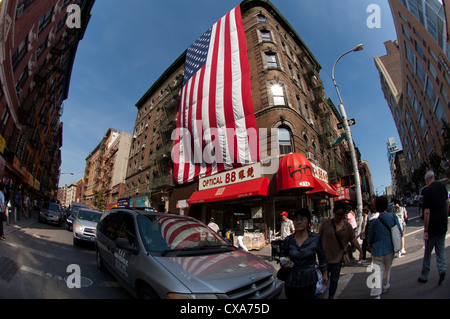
column 348, row 181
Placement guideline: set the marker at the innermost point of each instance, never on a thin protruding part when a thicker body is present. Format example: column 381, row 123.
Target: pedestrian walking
column 2, row 211
column 435, row 210
column 363, row 234
column 336, row 234
column 372, row 216
column 380, row 239
column 18, row 203
column 351, row 218
column 239, row 232
column 303, row 248
column 402, row 215
column 287, row 226
column 213, row 225
column 26, row 206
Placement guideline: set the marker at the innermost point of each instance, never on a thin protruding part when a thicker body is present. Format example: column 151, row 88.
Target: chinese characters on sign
column 238, row 175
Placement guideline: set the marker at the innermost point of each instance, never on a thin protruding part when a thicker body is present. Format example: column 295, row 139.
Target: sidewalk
column 19, row 224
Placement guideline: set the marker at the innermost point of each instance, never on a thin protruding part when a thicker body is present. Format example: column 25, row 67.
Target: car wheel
column 145, row 292
column 100, row 264
column 75, row 241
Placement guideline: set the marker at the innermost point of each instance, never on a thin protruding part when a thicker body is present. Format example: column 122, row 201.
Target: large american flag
column 216, row 127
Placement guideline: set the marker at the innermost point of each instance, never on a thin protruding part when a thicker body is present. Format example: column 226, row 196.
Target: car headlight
column 173, row 295
column 79, row 227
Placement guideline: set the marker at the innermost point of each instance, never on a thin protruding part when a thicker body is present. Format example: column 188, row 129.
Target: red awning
column 295, row 171
column 256, row 187
column 322, row 187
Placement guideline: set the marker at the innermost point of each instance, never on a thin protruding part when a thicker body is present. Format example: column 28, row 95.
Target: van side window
column 110, row 225
column 127, row 230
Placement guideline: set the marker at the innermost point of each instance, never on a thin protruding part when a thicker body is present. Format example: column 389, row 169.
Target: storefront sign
column 237, row 175
column 344, row 193
column 319, row 173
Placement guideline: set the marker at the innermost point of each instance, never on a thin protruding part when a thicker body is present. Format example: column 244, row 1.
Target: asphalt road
column 35, row 263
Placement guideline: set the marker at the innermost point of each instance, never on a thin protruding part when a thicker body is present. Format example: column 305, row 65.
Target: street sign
column 338, row 140
column 350, row 123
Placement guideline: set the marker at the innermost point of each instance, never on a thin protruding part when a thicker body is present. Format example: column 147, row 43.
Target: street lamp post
column 348, row 136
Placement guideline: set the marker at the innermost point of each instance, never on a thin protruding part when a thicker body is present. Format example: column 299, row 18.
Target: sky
column 126, row 48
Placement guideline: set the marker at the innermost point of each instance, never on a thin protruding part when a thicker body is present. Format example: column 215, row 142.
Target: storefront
column 238, row 194
column 258, row 199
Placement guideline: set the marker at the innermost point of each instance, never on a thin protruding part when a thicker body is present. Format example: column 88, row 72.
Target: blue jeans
column 438, row 243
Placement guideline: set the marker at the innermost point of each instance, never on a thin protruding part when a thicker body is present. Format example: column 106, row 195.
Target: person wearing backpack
column 380, row 238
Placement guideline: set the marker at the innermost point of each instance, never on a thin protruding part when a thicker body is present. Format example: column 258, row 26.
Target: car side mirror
column 123, row 243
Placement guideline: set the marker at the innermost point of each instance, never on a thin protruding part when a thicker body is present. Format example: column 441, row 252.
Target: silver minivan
column 85, row 225
column 165, row 256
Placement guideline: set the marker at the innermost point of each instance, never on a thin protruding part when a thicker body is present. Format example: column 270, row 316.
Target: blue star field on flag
column 196, row 55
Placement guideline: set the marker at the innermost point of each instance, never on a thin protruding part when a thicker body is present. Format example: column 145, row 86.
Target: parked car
column 51, row 212
column 85, row 225
column 165, row 256
column 72, row 214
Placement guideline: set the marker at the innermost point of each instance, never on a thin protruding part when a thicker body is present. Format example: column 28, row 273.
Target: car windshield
column 51, row 206
column 89, row 215
column 76, row 208
column 167, row 233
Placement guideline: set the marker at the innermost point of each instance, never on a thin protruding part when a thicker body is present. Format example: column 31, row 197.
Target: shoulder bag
column 396, row 235
column 346, row 260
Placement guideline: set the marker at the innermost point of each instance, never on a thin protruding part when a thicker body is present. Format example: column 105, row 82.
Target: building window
column 261, row 18
column 19, row 53
column 45, row 20
column 266, row 35
column 409, row 54
column 278, row 95
column 42, row 47
column 284, row 141
column 439, row 112
column 272, row 62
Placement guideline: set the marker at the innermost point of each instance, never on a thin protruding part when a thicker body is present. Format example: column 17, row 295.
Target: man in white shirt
column 287, row 226
column 213, row 225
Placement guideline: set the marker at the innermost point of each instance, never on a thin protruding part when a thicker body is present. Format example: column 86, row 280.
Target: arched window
column 284, row 140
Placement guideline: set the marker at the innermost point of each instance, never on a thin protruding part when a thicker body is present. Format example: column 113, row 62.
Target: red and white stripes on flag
column 216, row 127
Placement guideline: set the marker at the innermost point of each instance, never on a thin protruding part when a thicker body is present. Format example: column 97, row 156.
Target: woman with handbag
column 302, row 248
column 380, row 237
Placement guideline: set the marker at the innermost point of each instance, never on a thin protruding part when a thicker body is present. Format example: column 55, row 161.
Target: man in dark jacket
column 435, row 210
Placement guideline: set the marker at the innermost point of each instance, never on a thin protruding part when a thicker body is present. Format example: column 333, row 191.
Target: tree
column 100, row 200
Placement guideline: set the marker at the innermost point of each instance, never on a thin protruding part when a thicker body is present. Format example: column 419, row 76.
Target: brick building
column 37, row 51
column 293, row 117
column 105, row 169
